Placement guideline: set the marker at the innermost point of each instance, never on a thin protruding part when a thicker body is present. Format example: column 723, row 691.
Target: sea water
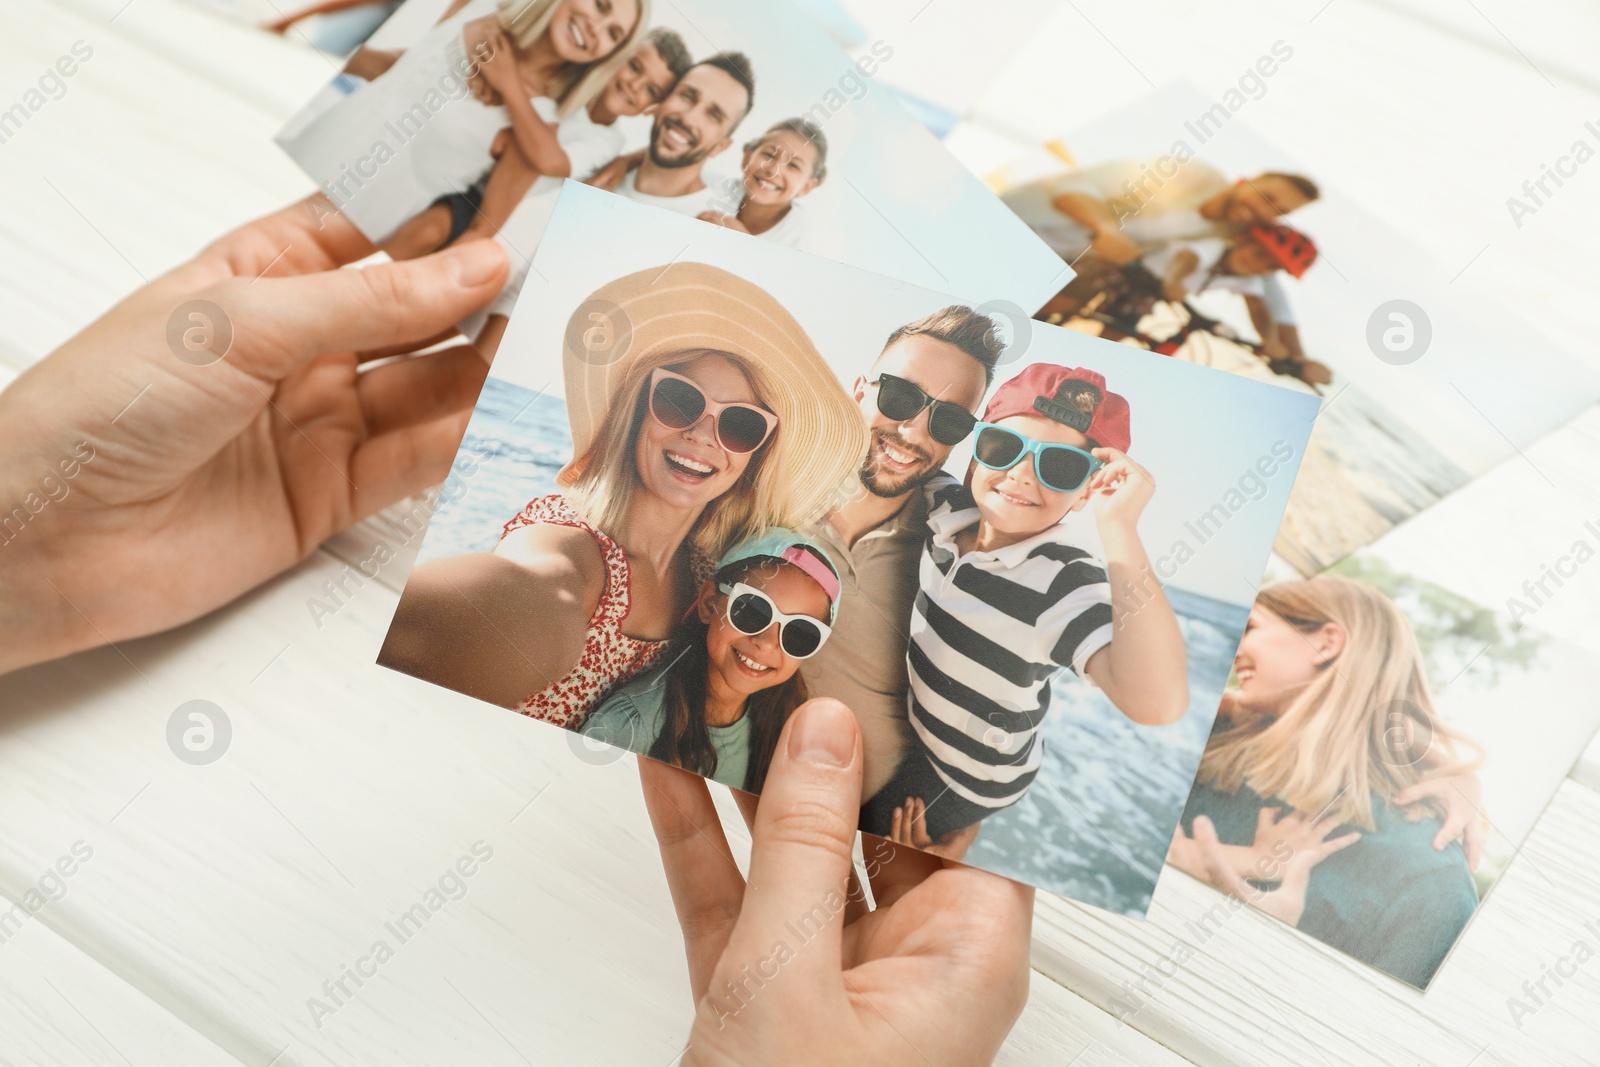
column 1096, row 823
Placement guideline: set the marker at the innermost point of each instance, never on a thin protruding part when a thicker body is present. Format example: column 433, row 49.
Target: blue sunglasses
column 1059, row 467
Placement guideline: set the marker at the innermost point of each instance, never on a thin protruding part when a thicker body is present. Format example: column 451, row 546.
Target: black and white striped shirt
column 988, row 632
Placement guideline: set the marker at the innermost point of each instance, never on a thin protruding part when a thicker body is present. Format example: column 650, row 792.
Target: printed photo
column 700, row 487
column 459, row 119
column 1193, row 237
column 1394, row 726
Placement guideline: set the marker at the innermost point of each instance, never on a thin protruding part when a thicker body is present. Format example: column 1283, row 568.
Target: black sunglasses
column 900, row 400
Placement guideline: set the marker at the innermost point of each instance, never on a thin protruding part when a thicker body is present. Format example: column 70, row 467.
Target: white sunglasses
column 751, row 612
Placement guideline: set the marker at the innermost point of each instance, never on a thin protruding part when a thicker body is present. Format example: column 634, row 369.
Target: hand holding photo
column 709, row 478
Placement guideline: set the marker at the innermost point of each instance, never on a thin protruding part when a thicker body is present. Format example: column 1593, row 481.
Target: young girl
column 730, row 681
column 780, row 167
column 413, row 133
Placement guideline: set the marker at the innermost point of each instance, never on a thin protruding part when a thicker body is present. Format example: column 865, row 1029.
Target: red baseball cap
column 1071, row 396
column 1293, row 250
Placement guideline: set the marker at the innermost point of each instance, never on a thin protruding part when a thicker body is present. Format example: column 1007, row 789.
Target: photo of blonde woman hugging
column 1332, row 793
column 718, row 422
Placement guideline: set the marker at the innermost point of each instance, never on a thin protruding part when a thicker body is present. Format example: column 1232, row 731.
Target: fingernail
column 823, row 733
column 476, row 262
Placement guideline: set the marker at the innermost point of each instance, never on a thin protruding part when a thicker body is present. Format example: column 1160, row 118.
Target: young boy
column 1005, row 603
column 1186, row 267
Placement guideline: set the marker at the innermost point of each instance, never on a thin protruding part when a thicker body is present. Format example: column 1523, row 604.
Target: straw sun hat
column 654, row 314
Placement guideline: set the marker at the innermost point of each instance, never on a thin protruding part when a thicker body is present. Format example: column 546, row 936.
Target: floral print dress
column 610, row 657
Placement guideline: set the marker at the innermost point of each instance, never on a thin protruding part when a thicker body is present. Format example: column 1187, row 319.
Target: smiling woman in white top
column 414, row 133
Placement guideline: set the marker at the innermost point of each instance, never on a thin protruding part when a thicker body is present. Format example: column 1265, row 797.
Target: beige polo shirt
column 864, row 661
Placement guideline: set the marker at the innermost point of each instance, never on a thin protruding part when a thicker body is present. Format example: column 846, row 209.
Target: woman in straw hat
column 701, row 416
column 412, row 133
column 1330, row 777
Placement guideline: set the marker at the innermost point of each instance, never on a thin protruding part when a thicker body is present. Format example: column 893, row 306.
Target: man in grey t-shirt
column 875, row 538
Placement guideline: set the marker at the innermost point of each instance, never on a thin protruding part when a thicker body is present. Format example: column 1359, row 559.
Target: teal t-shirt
column 633, row 716
column 1389, row 899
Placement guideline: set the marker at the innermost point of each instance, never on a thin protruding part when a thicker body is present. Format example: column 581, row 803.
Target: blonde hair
column 575, row 85
column 1334, row 745
column 600, row 484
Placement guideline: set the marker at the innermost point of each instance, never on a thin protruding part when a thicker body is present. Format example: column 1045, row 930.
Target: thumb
column 279, row 324
column 801, row 843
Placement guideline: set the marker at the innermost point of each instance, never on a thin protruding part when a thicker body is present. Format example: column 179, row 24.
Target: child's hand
column 483, row 40
column 500, row 70
column 1120, row 490
column 909, row 826
column 1174, row 292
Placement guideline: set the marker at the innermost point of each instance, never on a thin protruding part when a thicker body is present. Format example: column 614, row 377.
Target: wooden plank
column 62, row 1008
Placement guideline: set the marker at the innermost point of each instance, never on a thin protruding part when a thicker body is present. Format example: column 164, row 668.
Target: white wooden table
column 218, row 899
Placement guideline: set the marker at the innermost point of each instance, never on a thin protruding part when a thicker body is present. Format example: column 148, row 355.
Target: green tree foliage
column 1458, row 637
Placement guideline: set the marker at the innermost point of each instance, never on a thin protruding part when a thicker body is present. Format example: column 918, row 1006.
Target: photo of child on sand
column 460, row 119
column 700, row 488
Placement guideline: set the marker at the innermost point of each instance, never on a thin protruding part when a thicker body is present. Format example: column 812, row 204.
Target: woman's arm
column 1105, row 232
column 534, row 136
column 513, row 175
column 499, row 625
column 371, row 63
column 1183, row 264
column 610, row 176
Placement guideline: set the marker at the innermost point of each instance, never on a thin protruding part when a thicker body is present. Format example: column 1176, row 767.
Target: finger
column 1415, row 792
column 857, row 899
column 1214, row 866
column 308, row 236
column 1453, row 826
column 372, row 355
column 896, row 825
column 420, row 389
column 403, row 463
column 894, row 872
column 707, row 890
column 1474, row 844
column 919, row 823
column 1328, row 848
column 280, row 323
column 801, row 856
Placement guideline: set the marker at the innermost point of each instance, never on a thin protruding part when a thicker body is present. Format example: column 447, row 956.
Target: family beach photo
column 460, row 119
column 709, row 478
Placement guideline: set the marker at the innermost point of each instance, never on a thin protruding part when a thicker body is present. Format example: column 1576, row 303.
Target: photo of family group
column 700, row 488
column 460, row 119
column 1194, row 237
